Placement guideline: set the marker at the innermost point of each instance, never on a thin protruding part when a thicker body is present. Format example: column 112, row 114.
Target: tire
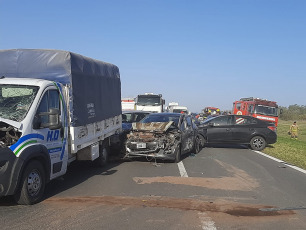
column 258, row 143
column 177, row 154
column 197, row 146
column 103, row 158
column 32, row 184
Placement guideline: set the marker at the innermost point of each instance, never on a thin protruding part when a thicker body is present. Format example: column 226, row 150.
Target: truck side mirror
column 281, row 111
column 54, row 119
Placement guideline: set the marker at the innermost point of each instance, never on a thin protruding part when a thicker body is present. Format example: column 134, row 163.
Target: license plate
column 141, row 145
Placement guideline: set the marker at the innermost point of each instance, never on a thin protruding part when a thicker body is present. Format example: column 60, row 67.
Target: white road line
column 206, row 222
column 182, row 169
column 283, row 162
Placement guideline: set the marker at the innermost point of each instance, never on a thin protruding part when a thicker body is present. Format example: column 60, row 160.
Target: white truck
column 179, row 109
column 174, row 107
column 150, row 102
column 55, row 107
column 128, row 104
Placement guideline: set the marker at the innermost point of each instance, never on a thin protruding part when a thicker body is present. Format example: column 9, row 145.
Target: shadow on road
column 77, row 173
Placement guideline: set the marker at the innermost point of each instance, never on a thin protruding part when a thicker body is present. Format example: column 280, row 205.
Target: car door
column 190, row 134
column 184, row 134
column 242, row 129
column 219, row 130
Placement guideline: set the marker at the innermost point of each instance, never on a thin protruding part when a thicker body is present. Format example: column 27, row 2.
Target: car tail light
column 273, row 128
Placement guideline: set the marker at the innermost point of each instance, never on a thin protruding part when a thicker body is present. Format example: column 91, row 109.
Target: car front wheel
column 177, row 154
column 258, row 143
column 197, row 145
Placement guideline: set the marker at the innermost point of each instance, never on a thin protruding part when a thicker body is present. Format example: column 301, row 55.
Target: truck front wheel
column 32, row 184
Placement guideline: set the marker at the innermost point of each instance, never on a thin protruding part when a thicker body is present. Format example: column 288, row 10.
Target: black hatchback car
column 237, row 129
column 163, row 136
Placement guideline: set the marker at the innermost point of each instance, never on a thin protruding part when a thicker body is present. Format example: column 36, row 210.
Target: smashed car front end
column 9, row 135
column 155, row 139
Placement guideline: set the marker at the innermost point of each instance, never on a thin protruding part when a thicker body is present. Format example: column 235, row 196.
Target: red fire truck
column 259, row 108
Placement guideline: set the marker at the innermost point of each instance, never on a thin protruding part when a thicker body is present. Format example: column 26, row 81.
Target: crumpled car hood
column 152, row 126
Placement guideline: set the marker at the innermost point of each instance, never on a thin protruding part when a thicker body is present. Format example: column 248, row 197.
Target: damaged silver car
column 163, row 136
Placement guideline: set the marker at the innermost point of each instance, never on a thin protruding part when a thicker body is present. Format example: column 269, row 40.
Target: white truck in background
column 127, row 104
column 150, row 102
column 174, row 107
column 55, row 107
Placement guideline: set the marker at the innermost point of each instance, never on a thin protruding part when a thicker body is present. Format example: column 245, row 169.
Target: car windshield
column 16, row 100
column 148, row 100
column 161, row 118
column 180, row 111
column 132, row 117
column 265, row 110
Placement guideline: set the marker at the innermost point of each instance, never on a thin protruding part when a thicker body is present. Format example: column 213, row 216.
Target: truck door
column 54, row 139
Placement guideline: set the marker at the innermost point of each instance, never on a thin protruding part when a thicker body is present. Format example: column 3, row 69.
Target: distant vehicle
column 210, row 111
column 150, row 102
column 128, row 104
column 237, row 129
column 259, row 108
column 163, row 136
column 179, row 109
column 128, row 117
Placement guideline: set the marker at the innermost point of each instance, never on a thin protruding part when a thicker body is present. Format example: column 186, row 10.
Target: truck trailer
column 55, row 107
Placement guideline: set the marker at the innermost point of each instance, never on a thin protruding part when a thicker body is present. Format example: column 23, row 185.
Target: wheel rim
column 258, row 143
column 34, row 183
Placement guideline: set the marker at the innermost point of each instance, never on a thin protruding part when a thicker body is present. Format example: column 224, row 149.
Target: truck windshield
column 266, row 110
column 16, row 100
column 148, row 100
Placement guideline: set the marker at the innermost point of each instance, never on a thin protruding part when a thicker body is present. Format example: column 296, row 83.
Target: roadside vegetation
column 289, row 150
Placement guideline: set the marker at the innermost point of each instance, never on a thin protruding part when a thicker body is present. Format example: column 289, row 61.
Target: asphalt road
column 219, row 188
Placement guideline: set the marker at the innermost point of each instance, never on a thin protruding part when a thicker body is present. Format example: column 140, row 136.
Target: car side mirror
column 211, row 124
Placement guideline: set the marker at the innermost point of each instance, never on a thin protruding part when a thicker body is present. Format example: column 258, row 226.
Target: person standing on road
column 294, row 128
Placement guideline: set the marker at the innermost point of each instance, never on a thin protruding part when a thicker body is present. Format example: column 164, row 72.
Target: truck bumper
column 7, row 164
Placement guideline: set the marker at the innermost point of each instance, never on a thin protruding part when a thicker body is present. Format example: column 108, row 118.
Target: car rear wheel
column 258, row 143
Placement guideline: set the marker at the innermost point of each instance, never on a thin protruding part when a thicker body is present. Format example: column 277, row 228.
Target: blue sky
column 196, row 52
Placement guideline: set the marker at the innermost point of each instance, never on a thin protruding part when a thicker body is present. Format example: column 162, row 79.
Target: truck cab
column 33, row 126
column 260, row 108
column 150, row 102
